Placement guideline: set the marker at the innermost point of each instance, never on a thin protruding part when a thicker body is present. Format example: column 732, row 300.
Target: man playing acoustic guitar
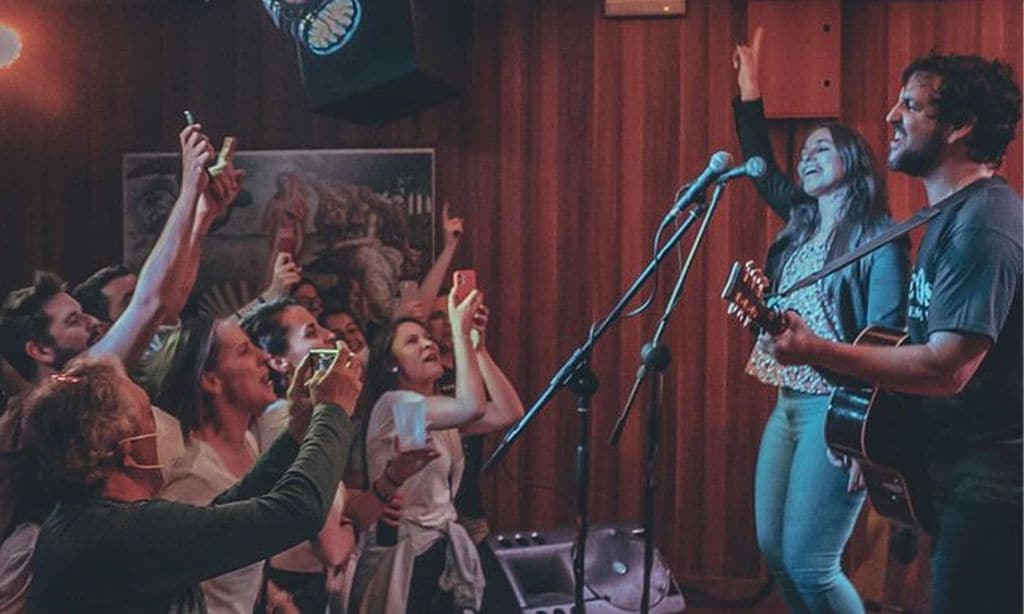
column 952, row 123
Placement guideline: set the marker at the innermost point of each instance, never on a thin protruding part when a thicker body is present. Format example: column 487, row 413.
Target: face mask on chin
column 170, row 444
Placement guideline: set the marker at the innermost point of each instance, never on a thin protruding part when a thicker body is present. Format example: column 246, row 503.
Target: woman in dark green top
column 110, row 547
column 805, row 507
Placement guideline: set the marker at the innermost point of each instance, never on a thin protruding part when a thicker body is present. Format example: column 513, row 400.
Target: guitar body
column 880, row 431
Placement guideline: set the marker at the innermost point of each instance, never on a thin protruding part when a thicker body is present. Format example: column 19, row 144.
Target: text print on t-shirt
column 919, row 297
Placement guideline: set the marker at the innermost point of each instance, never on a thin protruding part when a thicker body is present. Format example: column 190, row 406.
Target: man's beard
column 918, row 162
column 62, row 356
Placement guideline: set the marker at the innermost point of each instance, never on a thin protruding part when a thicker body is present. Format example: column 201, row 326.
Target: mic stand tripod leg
column 584, row 384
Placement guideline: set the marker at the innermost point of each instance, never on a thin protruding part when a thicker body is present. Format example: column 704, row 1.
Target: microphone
column 718, row 164
column 754, row 168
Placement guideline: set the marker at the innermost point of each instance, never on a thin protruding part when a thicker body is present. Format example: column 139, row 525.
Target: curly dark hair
column 22, row 319
column 381, row 373
column 72, row 424
column 979, row 91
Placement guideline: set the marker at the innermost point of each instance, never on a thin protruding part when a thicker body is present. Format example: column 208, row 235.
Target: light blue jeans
column 804, row 515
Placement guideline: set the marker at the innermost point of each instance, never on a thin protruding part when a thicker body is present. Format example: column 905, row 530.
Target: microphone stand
column 655, row 358
column 576, row 373
column 584, row 384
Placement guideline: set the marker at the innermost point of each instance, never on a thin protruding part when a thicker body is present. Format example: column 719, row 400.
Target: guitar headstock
column 744, row 292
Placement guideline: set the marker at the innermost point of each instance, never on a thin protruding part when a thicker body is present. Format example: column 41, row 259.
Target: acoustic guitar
column 875, row 427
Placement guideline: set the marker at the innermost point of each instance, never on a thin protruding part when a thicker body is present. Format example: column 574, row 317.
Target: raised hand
column 452, row 226
column 196, row 152
column 224, row 186
column 479, row 331
column 746, row 60
column 462, row 314
column 286, row 274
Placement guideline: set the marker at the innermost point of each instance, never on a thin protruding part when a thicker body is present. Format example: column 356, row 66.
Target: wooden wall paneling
column 685, row 390
column 606, row 211
column 574, row 204
column 475, row 200
column 553, row 292
column 805, row 34
column 514, row 202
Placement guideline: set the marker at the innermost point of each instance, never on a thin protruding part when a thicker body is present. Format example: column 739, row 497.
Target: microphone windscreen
column 720, row 160
column 756, row 167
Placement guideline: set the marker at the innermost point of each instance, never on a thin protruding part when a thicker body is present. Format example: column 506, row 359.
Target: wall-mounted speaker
column 402, row 56
column 537, row 564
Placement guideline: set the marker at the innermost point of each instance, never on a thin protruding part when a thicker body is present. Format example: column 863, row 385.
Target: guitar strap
column 892, row 233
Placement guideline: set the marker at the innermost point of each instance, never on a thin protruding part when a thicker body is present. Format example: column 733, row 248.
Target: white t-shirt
column 428, row 496
column 198, row 479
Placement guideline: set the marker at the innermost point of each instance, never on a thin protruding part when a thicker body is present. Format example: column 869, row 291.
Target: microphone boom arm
column 582, row 353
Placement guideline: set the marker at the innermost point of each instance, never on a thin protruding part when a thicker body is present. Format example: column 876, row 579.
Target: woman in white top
column 216, row 382
column 404, row 366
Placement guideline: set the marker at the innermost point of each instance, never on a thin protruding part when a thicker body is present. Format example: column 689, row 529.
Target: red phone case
column 464, row 282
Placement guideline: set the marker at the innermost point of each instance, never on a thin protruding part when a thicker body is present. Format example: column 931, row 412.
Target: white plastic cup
column 410, row 423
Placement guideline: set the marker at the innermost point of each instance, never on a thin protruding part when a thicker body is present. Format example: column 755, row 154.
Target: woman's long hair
column 171, row 374
column 380, row 368
column 865, row 207
column 381, row 376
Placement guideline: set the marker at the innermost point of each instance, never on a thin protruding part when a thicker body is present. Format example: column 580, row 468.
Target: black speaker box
column 537, row 565
column 404, row 56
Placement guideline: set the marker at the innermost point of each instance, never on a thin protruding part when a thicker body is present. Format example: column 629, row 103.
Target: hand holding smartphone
column 324, row 359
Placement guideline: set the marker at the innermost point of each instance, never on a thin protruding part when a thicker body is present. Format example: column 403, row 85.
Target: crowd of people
column 151, row 464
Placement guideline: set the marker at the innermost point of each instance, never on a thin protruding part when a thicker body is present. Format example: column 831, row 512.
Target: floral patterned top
column 815, row 307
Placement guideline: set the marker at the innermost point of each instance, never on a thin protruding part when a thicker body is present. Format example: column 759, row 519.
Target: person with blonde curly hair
column 111, row 546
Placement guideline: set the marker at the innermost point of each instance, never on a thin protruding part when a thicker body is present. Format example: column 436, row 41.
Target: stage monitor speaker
column 403, row 56
column 538, row 567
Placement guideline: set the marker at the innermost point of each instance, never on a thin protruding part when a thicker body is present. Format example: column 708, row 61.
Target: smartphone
column 323, row 360
column 464, row 282
column 189, row 118
column 287, row 242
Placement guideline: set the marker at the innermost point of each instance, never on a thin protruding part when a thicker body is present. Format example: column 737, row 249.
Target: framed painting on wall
column 358, row 221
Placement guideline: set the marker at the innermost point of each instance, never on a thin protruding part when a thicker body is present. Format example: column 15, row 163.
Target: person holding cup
column 401, row 380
